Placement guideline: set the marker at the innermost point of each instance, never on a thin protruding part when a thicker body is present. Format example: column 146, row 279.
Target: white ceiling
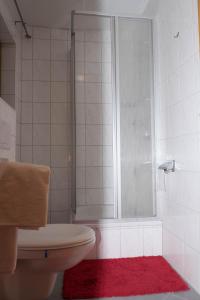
column 56, row 13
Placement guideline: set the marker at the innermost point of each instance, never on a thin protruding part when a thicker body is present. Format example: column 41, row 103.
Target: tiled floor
column 190, row 295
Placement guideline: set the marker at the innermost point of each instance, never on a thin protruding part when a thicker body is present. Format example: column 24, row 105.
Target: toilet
column 41, row 255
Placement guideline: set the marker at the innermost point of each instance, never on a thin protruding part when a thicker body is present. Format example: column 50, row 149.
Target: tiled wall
column 45, row 117
column 127, row 239
column 178, row 81
column 94, row 130
column 7, row 131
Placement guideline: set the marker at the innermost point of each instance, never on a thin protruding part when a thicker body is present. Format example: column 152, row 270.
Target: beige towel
column 8, row 249
column 23, row 194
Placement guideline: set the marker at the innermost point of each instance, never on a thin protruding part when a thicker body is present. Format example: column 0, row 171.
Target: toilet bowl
column 41, row 255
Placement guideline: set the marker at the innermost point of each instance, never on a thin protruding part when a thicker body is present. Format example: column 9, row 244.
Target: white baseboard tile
column 131, row 239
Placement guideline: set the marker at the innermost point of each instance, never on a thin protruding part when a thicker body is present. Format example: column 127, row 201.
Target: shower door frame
column 116, row 111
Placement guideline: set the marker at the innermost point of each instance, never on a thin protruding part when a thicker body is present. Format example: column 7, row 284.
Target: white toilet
column 41, row 255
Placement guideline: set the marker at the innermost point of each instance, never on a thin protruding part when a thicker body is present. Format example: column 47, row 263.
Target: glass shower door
column 93, row 106
column 135, row 106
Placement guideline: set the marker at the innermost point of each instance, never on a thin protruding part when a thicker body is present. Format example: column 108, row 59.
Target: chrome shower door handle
column 168, row 166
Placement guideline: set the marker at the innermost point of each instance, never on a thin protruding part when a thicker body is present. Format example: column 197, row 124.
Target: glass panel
column 94, row 121
column 135, row 84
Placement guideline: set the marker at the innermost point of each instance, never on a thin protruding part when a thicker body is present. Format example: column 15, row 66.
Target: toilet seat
column 54, row 237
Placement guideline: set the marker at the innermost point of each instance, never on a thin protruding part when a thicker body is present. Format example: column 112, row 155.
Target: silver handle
column 168, row 166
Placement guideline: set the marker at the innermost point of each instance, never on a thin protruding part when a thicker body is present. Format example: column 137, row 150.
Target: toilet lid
column 55, row 236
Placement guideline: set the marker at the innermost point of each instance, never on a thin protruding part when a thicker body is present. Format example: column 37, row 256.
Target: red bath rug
column 121, row 277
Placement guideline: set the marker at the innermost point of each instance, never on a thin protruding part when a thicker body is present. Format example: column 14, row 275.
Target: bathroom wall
column 7, row 131
column 178, row 128
column 44, row 117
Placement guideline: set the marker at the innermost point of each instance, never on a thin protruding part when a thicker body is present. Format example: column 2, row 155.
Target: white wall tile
column 27, row 68
column 94, row 135
column 60, row 156
column 93, row 68
column 27, row 91
column 59, row 201
column 26, row 154
column 59, row 34
column 94, row 114
column 41, row 91
column 80, row 178
column 93, row 156
column 107, row 155
column 99, row 196
column 109, row 245
column 26, row 113
column 173, row 251
column 26, row 134
column 41, row 113
column 60, row 113
column 131, row 242
column 60, row 135
column 79, row 52
column 80, row 113
column 58, row 91
column 106, row 52
column 27, row 48
column 191, row 267
column 41, row 33
column 106, row 92
column 80, row 196
column 41, row 70
column 59, row 50
column 80, row 92
column 59, row 70
column 41, row 155
column 93, row 52
column 93, row 92
column 41, row 49
column 94, row 177
column 107, row 177
column 80, row 135
column 60, row 178
column 41, row 135
column 59, row 217
column 106, row 72
column 107, row 139
column 80, row 156
column 152, row 241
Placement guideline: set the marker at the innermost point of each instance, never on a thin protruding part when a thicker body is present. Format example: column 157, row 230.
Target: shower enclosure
column 113, row 123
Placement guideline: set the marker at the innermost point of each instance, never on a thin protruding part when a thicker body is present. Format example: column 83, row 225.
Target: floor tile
column 188, row 295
